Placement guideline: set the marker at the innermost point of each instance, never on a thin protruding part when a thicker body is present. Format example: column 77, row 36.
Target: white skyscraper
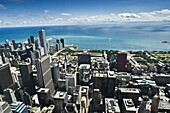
column 44, row 73
column 43, row 41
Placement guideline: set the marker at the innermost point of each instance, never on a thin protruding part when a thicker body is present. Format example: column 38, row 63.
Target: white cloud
column 7, row 23
column 0, row 21
column 165, row 11
column 66, row 14
column 2, row 6
column 46, row 11
column 162, row 15
column 47, row 19
column 58, row 19
column 129, row 15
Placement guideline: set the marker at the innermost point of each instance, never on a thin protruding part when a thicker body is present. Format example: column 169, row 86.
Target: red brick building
column 121, row 61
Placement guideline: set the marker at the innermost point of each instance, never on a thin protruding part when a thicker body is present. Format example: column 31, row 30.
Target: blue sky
column 69, row 12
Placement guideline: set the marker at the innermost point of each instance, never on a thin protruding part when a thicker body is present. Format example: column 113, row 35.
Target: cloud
column 20, row 16
column 162, row 15
column 129, row 15
column 47, row 19
column 7, row 23
column 2, row 6
column 46, row 11
column 165, row 11
column 58, row 19
column 66, row 14
column 0, row 21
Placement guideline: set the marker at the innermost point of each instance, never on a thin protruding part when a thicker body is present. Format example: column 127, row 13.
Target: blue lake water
column 130, row 36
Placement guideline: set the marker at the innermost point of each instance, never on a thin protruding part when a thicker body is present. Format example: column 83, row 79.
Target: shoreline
column 165, row 42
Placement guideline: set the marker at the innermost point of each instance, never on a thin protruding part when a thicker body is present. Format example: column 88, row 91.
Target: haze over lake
column 126, row 36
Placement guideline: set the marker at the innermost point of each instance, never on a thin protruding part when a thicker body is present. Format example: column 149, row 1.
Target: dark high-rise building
column 121, row 61
column 27, row 78
column 57, row 48
column 55, row 72
column 111, row 83
column 9, row 95
column 5, row 76
column 32, row 39
column 29, row 41
column 14, row 44
column 43, row 41
column 36, row 43
column 60, row 98
column 44, row 73
column 58, row 40
column 3, row 57
column 28, row 51
column 62, row 41
column 84, row 58
column 44, row 96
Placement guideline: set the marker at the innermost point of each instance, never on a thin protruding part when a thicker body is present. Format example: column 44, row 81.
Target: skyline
column 15, row 13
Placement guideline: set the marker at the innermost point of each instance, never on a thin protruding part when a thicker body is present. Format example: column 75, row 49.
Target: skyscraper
column 27, row 78
column 121, row 61
column 84, row 58
column 32, row 39
column 58, row 40
column 9, row 95
column 29, row 41
column 62, row 41
column 14, row 44
column 55, row 72
column 44, row 96
column 44, row 73
column 36, row 43
column 5, row 75
column 43, row 41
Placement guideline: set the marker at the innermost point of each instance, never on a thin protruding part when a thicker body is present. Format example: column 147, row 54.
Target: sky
column 81, row 12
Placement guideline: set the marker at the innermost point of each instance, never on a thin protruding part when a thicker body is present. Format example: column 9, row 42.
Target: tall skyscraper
column 43, row 41
column 44, row 96
column 55, row 72
column 27, row 78
column 121, row 61
column 44, row 73
column 32, row 39
column 14, row 44
column 62, row 41
column 58, row 40
column 29, row 41
column 36, row 43
column 5, row 77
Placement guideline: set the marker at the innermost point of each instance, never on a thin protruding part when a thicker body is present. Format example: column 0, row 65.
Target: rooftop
column 43, row 90
column 84, row 66
column 60, row 95
column 112, row 105
column 129, row 90
column 164, row 105
column 129, row 105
